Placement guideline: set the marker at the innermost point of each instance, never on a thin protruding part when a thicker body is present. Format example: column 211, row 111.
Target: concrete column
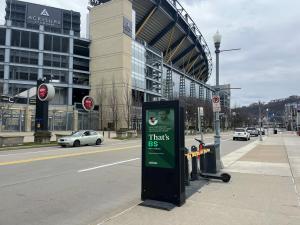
column 111, row 56
column 7, row 57
column 75, row 120
column 27, row 120
column 41, row 56
column 70, row 80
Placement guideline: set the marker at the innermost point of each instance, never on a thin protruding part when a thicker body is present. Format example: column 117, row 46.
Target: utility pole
column 260, row 121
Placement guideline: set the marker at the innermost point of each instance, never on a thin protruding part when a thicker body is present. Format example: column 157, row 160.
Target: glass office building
column 43, row 42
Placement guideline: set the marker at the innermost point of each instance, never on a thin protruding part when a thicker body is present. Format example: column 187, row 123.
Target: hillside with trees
column 273, row 111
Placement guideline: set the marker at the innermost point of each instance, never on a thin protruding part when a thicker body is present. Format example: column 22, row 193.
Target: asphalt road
column 75, row 186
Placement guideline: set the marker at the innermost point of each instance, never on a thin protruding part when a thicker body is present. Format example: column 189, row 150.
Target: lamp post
column 260, row 121
column 217, row 41
column 267, row 121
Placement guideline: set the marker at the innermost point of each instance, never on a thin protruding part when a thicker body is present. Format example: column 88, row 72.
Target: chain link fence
column 14, row 120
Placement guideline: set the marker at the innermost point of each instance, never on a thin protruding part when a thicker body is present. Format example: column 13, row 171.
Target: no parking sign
column 216, row 103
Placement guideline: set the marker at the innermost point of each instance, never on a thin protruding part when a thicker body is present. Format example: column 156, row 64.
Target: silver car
column 83, row 137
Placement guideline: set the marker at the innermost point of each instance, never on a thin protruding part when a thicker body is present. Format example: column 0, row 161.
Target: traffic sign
column 216, row 103
column 88, row 103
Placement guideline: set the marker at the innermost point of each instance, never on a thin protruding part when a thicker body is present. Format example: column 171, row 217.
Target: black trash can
column 275, row 131
column 208, row 162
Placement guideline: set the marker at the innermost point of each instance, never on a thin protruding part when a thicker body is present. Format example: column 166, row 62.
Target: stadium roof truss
column 166, row 26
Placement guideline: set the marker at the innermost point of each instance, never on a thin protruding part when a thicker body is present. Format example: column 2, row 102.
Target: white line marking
column 107, row 165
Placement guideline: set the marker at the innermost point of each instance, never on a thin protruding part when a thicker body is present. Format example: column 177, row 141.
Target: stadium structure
column 134, row 51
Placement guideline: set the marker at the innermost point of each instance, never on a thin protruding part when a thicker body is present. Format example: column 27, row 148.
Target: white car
column 241, row 133
column 83, row 137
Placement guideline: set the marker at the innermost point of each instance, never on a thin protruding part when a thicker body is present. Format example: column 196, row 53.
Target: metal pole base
column 219, row 165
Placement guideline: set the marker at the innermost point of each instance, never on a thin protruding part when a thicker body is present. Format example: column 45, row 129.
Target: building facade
column 147, row 51
column 135, row 51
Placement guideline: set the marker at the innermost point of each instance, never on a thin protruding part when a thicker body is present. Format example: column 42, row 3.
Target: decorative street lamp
column 217, row 40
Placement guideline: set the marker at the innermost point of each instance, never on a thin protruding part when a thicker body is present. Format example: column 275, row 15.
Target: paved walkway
column 264, row 190
column 28, row 136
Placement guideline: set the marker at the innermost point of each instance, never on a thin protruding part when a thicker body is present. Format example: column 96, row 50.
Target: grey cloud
column 267, row 66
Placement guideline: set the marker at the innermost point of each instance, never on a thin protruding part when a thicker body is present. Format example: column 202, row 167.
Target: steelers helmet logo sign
column 88, row 103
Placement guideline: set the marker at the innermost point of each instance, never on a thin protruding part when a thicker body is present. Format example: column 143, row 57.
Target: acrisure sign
column 160, row 138
column 42, row 15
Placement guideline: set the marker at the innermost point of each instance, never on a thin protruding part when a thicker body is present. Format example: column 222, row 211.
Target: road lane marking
column 22, row 161
column 107, row 165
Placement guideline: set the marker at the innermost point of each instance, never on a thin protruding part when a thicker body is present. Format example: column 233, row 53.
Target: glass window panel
column 15, row 38
column 34, row 40
column 24, row 57
column 25, row 39
column 64, row 61
column 56, row 44
column 65, row 45
column 24, row 75
column 33, row 74
column 2, row 36
column 2, row 53
column 48, row 42
column 56, row 61
column 47, row 59
column 33, row 59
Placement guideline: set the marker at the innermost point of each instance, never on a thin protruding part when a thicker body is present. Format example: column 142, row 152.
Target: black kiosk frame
column 163, row 152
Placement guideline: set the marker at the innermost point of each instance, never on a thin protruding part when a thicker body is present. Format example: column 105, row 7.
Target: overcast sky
column 267, row 67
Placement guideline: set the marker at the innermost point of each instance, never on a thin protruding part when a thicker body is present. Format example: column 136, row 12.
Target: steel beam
column 144, row 21
column 186, row 51
column 162, row 33
column 192, row 64
column 169, row 58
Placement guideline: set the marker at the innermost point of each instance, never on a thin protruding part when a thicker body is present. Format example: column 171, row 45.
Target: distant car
column 252, row 131
column 262, row 131
column 241, row 133
column 79, row 138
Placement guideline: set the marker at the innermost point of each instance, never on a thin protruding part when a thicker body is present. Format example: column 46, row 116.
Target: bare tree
column 114, row 104
column 5, row 108
column 128, row 104
column 100, row 100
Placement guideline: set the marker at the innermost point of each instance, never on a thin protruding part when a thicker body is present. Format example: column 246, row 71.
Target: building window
column 81, row 48
column 56, row 43
column 56, row 75
column 1, row 72
column 25, row 39
column 81, row 79
column 48, row 42
column 81, row 64
column 2, row 36
column 34, row 40
column 24, row 57
column 23, row 73
column 53, row 60
column 2, row 54
column 15, row 38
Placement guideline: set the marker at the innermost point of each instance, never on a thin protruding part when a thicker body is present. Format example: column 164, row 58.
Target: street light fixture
column 217, row 41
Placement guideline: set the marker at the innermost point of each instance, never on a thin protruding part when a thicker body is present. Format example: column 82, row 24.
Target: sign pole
column 200, row 121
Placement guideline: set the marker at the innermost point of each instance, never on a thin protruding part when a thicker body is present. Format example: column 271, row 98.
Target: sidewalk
column 264, row 190
column 28, row 136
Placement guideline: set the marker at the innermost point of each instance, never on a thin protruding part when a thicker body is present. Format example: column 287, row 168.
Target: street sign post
column 163, row 152
column 216, row 103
